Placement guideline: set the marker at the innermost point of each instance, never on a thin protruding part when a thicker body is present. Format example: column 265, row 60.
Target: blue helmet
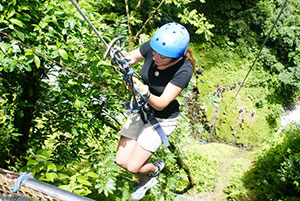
column 170, row 40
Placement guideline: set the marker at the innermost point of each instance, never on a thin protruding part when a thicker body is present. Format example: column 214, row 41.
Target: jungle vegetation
column 60, row 120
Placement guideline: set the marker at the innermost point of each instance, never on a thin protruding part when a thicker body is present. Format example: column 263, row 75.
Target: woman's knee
column 121, row 162
column 128, row 166
column 133, row 168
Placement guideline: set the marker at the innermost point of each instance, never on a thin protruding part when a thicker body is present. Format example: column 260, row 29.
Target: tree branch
column 138, row 5
column 128, row 25
column 147, row 21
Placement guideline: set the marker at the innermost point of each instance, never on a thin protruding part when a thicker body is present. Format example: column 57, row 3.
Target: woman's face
column 160, row 59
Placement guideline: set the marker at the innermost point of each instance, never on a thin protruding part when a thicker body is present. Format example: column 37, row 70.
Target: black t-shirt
column 178, row 74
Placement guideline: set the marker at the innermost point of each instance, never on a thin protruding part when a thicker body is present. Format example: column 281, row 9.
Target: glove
column 142, row 88
column 127, row 57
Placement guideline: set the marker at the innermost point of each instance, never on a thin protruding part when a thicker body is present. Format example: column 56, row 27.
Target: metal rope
column 259, row 53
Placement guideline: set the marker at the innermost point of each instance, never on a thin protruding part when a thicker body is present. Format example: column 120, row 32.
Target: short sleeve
column 183, row 75
column 145, row 49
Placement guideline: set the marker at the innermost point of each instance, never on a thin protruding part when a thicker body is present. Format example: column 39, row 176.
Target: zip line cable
column 259, row 53
column 89, row 22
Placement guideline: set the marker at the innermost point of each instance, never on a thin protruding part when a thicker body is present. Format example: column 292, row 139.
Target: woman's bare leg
column 124, row 150
column 131, row 156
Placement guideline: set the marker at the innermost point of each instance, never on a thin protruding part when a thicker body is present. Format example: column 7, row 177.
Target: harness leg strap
column 158, row 129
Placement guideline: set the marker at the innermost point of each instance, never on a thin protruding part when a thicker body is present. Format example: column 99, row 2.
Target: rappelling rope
column 259, row 53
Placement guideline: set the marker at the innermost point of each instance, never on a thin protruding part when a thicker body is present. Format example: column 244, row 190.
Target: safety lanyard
column 153, row 121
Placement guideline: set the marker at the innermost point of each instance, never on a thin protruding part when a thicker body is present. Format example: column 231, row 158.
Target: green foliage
column 204, row 170
column 273, row 116
column 245, row 119
column 282, row 44
column 7, row 130
column 276, row 171
column 68, row 125
column 245, row 24
column 197, row 20
column 64, row 122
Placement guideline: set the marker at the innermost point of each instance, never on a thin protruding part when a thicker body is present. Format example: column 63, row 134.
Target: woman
column 167, row 69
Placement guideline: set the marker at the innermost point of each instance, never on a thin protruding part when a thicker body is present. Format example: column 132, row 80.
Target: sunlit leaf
column 51, row 166
column 92, row 174
column 20, row 34
column 31, row 162
column 83, row 180
column 37, row 61
column 51, row 176
column 63, row 54
column 17, row 22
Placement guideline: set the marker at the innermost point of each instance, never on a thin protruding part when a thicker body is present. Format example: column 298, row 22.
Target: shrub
column 276, row 172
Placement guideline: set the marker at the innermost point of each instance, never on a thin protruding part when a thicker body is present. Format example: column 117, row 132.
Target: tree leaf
column 92, row 174
column 83, row 180
column 4, row 46
column 11, row 13
column 20, row 34
column 51, row 176
column 37, row 61
column 17, row 22
column 51, row 166
column 27, row 68
column 63, row 54
column 31, row 162
column 77, row 103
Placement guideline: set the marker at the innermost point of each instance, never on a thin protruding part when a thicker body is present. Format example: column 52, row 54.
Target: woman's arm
column 170, row 93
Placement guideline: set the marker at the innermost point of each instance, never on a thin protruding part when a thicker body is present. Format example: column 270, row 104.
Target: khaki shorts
column 146, row 135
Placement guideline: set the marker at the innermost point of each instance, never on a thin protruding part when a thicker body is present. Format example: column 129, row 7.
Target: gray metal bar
column 53, row 191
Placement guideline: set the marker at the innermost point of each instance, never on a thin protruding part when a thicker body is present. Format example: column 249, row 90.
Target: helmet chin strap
column 164, row 66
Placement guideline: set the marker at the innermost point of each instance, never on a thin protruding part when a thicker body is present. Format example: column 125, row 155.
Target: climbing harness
column 139, row 103
column 158, row 128
column 153, row 121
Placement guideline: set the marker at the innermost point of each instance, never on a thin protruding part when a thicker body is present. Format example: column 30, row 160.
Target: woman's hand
column 127, row 57
column 133, row 56
column 142, row 88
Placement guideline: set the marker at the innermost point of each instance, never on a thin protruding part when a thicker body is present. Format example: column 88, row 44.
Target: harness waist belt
column 151, row 118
